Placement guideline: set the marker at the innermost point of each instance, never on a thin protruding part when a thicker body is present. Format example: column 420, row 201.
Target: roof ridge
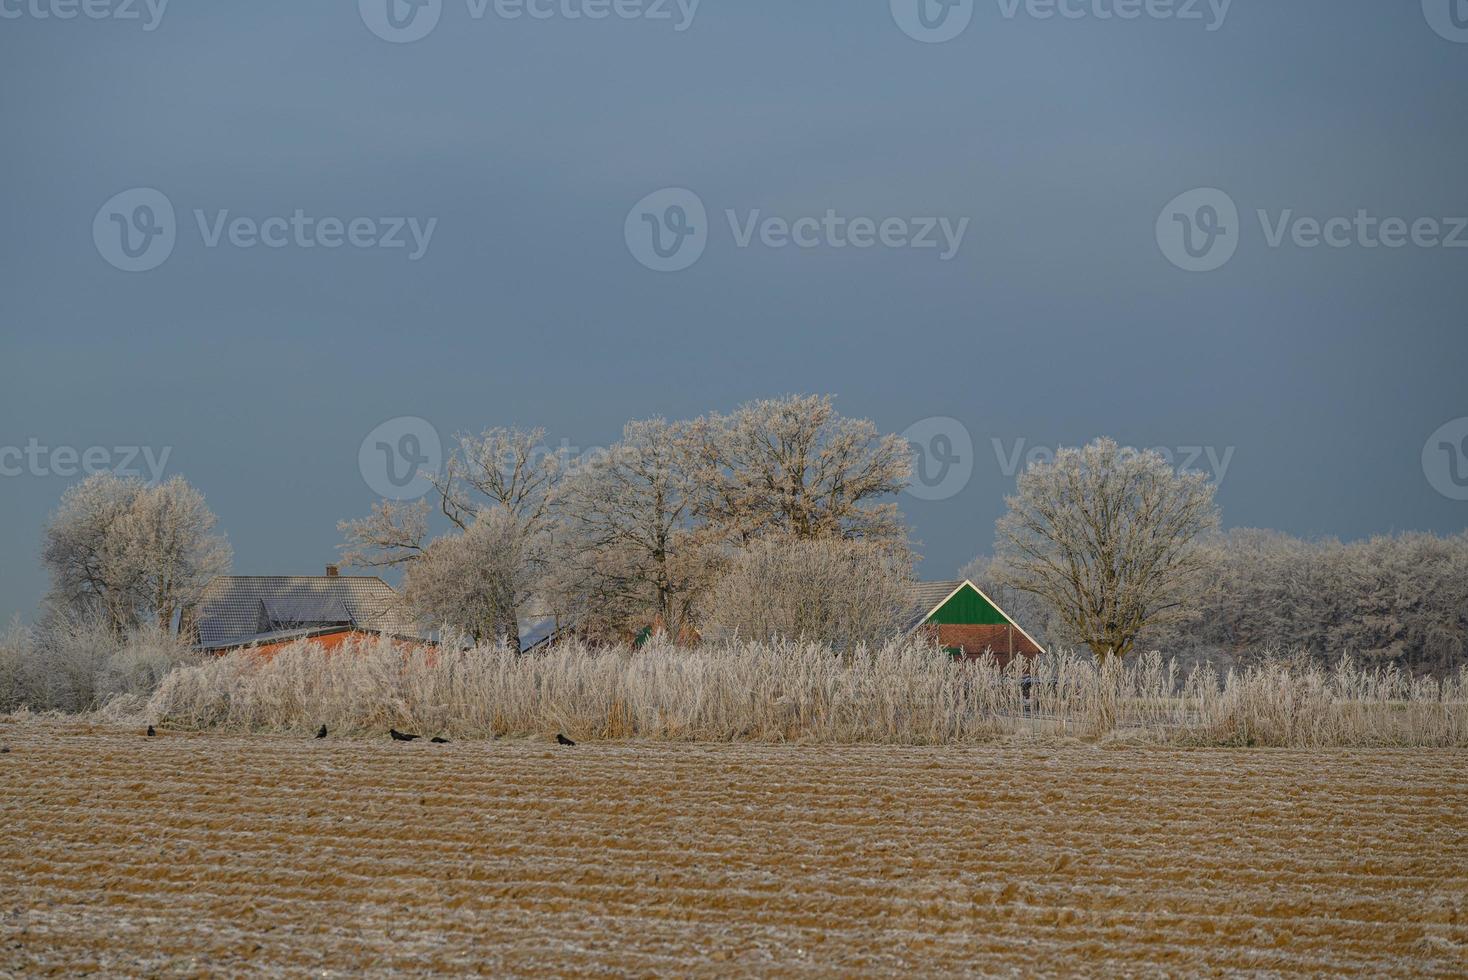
column 322, row 577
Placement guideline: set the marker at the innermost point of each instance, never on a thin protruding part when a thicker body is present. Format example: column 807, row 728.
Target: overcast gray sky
column 523, row 150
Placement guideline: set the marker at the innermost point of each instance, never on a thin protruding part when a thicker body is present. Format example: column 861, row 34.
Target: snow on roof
column 237, row 609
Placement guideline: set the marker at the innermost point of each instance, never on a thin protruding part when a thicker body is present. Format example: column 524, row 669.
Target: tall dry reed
column 900, row 694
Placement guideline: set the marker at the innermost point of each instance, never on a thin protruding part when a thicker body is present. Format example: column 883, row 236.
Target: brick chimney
column 331, row 571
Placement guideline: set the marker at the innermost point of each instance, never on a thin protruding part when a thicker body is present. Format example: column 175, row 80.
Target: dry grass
column 207, row 853
column 902, row 694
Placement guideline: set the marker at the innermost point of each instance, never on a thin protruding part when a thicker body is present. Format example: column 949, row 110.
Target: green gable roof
column 968, row 607
column 957, row 603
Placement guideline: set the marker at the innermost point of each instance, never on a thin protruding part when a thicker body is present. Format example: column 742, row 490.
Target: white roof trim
column 947, row 598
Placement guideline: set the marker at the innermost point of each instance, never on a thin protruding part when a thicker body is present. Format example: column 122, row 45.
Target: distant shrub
column 831, row 592
column 15, row 659
column 140, row 665
column 81, row 666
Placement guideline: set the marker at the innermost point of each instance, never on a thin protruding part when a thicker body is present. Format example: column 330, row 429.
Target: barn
column 967, row 623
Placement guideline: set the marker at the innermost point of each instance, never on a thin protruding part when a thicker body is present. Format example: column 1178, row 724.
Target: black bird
column 151, row 732
column 563, row 740
column 322, row 732
column 398, row 736
column 439, row 740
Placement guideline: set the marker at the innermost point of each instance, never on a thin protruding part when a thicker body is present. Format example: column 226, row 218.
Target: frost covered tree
column 834, row 592
column 80, row 551
column 168, row 535
column 639, row 533
column 131, row 554
column 499, row 469
column 1390, row 599
column 504, row 468
column 630, row 552
column 395, row 533
column 793, row 467
column 646, row 530
column 1110, row 538
column 498, row 489
column 478, row 581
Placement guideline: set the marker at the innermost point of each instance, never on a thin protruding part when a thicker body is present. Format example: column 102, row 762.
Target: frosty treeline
column 1392, row 599
column 775, row 522
column 654, row 532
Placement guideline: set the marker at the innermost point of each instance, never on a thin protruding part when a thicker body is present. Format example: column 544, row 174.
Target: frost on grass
column 202, row 854
column 899, row 694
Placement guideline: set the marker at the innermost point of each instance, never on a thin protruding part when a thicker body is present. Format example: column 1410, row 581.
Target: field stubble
column 204, row 852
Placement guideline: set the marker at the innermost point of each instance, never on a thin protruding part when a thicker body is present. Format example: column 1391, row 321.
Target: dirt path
column 191, row 854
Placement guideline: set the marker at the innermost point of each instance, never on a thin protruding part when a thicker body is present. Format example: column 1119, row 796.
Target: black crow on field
column 151, row 732
column 322, row 732
column 563, row 740
column 439, row 740
column 398, row 736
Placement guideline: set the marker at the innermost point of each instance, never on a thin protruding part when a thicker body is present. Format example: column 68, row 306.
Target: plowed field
column 197, row 854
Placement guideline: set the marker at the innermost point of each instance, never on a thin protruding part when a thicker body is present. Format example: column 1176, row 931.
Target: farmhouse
column 967, row 622
column 271, row 611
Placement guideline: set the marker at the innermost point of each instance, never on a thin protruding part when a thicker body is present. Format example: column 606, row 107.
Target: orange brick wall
column 332, row 642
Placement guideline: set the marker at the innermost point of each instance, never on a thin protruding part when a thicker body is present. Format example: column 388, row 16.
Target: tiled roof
column 238, row 609
column 926, row 595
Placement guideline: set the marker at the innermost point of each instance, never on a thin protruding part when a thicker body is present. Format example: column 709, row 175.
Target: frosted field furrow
column 184, row 854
